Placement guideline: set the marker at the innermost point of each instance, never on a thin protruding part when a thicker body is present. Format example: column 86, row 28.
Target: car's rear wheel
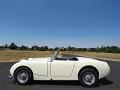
column 88, row 77
column 23, row 76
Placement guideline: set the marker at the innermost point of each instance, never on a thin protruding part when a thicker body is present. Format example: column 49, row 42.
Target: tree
column 43, row 48
column 71, row 48
column 34, row 47
column 24, row 47
column 13, row 46
column 6, row 46
column 56, row 48
column 0, row 47
column 113, row 49
column 92, row 49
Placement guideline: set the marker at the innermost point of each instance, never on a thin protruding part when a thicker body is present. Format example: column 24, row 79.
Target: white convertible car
column 57, row 67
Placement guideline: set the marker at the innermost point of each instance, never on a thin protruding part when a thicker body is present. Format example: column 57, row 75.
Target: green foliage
column 112, row 49
column 13, row 46
column 107, row 49
column 24, row 47
column 34, row 48
column 42, row 48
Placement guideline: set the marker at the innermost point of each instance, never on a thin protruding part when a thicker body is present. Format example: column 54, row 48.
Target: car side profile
column 58, row 67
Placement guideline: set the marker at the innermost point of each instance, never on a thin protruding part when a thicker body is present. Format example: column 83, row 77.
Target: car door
column 62, row 68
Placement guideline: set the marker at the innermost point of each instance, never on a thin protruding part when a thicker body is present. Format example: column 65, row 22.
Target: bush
column 13, row 46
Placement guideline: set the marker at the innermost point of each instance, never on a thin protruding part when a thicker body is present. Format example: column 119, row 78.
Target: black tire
column 26, row 75
column 88, row 78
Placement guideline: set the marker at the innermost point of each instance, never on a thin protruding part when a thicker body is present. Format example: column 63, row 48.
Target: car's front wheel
column 23, row 76
column 88, row 77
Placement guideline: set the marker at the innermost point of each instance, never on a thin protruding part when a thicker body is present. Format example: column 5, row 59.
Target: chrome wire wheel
column 89, row 78
column 22, row 76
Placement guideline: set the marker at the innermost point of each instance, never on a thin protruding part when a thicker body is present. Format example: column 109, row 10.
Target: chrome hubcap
column 89, row 78
column 22, row 76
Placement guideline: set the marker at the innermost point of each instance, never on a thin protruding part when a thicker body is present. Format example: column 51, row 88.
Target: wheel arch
column 89, row 66
column 23, row 67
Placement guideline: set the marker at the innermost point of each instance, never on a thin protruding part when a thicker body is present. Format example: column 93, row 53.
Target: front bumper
column 10, row 77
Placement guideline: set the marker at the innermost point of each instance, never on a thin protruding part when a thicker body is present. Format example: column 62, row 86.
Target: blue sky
column 80, row 23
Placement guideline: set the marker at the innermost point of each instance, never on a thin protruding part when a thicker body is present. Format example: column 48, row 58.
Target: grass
column 12, row 55
column 103, row 56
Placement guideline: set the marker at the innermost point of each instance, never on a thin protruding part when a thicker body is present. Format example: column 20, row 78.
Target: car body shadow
column 103, row 81
column 56, row 82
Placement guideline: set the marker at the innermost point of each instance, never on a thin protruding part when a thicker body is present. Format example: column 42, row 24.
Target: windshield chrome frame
column 54, row 55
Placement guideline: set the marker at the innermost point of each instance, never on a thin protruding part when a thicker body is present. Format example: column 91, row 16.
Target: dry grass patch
column 104, row 56
column 13, row 55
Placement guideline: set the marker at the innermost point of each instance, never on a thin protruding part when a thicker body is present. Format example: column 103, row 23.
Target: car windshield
column 62, row 56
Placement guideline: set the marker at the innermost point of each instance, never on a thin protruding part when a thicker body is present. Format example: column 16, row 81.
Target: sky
column 60, row 23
